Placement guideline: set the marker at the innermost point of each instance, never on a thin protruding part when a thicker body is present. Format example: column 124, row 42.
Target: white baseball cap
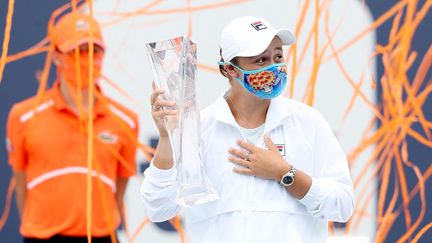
column 249, row 36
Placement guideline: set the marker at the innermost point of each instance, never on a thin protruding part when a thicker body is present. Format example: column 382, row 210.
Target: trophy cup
column 174, row 68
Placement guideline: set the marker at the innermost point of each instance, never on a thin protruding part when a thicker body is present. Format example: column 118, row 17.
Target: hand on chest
column 284, row 147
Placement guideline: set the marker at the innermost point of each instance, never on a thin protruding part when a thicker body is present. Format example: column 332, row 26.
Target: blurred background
column 355, row 61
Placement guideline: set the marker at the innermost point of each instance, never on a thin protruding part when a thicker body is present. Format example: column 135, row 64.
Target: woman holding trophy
column 278, row 169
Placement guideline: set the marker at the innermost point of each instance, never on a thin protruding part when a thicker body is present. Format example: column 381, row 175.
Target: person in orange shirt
column 47, row 142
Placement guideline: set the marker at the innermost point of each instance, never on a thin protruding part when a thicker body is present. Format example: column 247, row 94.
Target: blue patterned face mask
column 267, row 82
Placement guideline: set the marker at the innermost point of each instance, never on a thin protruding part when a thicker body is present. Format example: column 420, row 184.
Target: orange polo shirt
column 49, row 144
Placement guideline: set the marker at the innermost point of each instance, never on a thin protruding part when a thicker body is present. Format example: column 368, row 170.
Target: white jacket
column 251, row 209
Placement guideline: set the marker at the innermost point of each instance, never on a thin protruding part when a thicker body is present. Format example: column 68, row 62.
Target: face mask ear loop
column 230, row 63
column 241, row 71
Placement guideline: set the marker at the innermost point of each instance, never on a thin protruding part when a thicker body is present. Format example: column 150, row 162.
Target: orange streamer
column 6, row 37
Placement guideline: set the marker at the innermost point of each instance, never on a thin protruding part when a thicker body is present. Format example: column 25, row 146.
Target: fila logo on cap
column 258, row 25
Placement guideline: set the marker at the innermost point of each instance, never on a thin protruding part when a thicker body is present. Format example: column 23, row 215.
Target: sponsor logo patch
column 82, row 25
column 108, row 137
column 258, row 25
column 281, row 148
column 9, row 146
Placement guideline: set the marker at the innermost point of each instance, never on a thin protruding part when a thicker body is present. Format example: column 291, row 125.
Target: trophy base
column 195, row 195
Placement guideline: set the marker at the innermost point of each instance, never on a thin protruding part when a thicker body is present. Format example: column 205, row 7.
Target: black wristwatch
column 288, row 178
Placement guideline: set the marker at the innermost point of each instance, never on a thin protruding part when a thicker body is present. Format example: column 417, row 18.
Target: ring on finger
column 155, row 107
column 247, row 157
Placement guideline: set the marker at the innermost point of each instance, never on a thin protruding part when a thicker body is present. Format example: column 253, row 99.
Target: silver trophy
column 174, row 69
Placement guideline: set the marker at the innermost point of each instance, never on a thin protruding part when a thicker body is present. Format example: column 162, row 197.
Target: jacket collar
column 278, row 111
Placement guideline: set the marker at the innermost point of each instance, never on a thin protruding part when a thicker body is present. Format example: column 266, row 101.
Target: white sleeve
column 331, row 193
column 158, row 191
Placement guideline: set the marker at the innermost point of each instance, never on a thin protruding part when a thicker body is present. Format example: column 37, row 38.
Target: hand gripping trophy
column 174, row 69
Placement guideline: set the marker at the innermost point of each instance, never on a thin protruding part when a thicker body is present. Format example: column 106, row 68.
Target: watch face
column 287, row 180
